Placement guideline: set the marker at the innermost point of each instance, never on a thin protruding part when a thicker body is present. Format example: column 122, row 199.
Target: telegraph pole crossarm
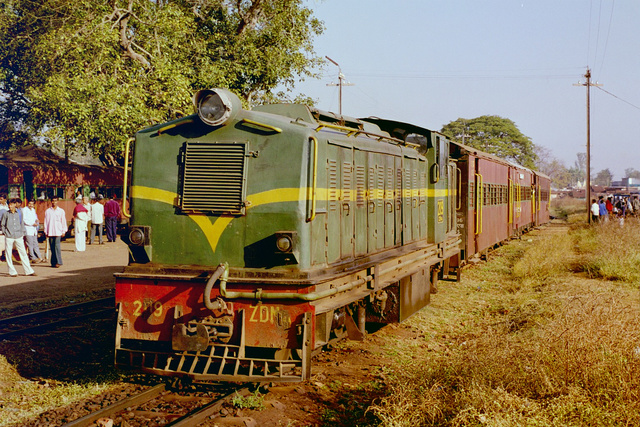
column 340, row 83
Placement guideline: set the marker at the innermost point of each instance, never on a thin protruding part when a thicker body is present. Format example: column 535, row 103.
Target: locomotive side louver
column 213, row 177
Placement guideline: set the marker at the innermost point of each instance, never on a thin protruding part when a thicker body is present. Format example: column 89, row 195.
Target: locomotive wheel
column 340, row 333
column 282, row 354
column 434, row 281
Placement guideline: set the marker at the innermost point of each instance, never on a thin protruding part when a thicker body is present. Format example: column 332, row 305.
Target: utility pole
column 340, row 82
column 588, row 84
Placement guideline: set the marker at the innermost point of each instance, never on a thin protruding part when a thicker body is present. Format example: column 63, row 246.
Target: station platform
column 86, row 271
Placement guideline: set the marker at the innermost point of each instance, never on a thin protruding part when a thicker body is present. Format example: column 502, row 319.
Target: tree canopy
column 604, row 178
column 494, row 135
column 631, row 173
column 89, row 73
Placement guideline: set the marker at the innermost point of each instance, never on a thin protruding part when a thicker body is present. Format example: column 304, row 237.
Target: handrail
column 314, row 182
column 482, row 205
column 479, row 202
column 173, row 125
column 510, row 202
column 125, row 203
column 459, row 195
column 264, row 125
column 518, row 200
column 355, row 132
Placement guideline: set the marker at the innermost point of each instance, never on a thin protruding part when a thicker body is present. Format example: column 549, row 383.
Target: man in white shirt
column 97, row 220
column 595, row 211
column 55, row 226
column 31, row 223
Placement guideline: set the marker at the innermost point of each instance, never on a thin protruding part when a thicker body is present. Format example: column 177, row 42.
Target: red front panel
column 150, row 306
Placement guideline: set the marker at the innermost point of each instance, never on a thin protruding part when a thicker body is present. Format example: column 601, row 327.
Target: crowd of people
column 614, row 208
column 19, row 228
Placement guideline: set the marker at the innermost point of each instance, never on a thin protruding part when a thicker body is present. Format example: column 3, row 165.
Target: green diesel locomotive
column 257, row 237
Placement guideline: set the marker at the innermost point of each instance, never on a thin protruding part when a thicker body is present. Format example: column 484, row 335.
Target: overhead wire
column 617, row 97
column 606, row 43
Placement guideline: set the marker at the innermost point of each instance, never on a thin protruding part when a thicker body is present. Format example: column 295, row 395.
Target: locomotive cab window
column 418, row 139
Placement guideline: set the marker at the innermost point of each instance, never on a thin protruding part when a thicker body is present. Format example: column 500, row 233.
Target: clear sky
column 429, row 62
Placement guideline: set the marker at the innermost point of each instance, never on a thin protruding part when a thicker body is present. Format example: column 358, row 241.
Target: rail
column 190, row 419
column 21, row 324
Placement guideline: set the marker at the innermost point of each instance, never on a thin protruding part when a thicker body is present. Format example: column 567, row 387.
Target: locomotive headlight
column 216, row 107
column 284, row 244
column 139, row 236
column 284, row 241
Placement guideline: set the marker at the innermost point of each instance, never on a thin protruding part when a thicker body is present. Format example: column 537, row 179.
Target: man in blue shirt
column 604, row 214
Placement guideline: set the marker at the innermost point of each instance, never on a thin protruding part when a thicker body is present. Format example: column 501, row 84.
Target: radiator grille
column 213, row 179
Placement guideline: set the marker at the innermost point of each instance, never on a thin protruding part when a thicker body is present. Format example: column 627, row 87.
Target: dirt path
column 91, row 270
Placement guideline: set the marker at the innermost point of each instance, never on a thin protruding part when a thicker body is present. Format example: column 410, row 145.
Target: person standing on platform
column 87, row 206
column 55, row 226
column 12, row 226
column 97, row 220
column 31, row 223
column 80, row 217
column 4, row 207
column 111, row 216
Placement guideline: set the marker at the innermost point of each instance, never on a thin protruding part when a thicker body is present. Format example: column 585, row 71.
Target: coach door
column 347, row 204
column 341, row 204
column 375, row 202
column 389, row 201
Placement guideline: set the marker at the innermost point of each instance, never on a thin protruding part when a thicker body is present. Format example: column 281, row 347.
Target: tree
column 86, row 74
column 494, row 135
column 552, row 167
column 10, row 137
column 604, row 178
column 631, row 173
column 578, row 172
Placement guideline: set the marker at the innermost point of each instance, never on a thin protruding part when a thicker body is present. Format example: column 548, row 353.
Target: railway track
column 41, row 320
column 166, row 408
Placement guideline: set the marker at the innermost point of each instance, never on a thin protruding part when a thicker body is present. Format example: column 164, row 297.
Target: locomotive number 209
column 154, row 307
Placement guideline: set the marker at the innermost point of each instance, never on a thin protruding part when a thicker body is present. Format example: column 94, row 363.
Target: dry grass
column 524, row 340
column 22, row 399
column 610, row 251
column 569, row 209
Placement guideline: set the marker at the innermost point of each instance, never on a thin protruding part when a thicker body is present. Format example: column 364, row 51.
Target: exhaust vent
column 214, row 177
